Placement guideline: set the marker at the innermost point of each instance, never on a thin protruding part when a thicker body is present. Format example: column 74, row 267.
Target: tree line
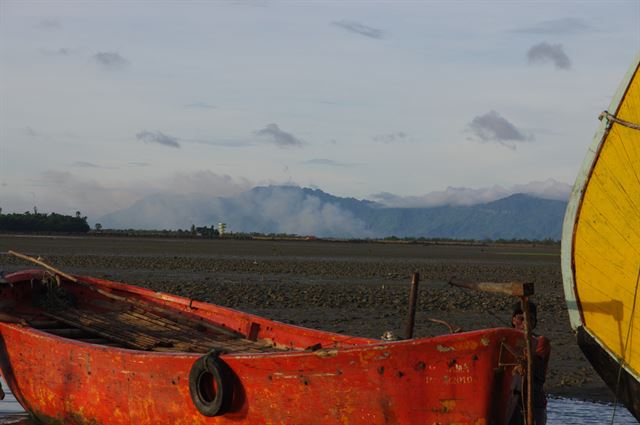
column 30, row 222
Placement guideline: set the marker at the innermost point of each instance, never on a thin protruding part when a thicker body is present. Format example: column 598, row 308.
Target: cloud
column 66, row 192
column 279, row 209
column 84, row 164
column 140, row 164
column 249, row 3
column 358, row 28
column 398, row 136
column 464, row 196
column 288, row 209
column 206, row 182
column 450, row 196
column 49, row 24
column 557, row 27
column 328, row 162
column 492, row 127
column 278, row 137
column 110, row 60
column 28, row 131
column 176, row 142
column 228, row 143
column 200, row 105
column 158, row 137
column 545, row 52
column 547, row 189
column 62, row 51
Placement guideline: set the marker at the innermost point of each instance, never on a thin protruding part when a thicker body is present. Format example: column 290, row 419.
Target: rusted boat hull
column 465, row 378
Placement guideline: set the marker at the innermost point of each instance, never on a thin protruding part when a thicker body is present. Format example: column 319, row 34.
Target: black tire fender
column 210, row 385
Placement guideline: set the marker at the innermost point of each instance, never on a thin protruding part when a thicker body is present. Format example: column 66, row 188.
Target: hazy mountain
column 303, row 211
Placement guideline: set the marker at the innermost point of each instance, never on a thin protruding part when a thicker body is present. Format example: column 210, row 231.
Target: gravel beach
column 356, row 288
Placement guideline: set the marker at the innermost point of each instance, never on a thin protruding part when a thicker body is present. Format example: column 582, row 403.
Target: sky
column 407, row 103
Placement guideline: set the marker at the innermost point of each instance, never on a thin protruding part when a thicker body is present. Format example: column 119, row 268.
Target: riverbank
column 353, row 288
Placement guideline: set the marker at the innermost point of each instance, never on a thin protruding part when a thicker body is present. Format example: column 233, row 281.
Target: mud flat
column 347, row 287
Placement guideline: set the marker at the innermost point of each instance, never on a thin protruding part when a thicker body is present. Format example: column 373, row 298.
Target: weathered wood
column 179, row 318
column 155, row 320
column 529, row 348
column 413, row 297
column 141, row 328
column 10, row 318
column 133, row 331
column 42, row 264
column 74, row 333
column 516, row 289
column 44, row 324
column 109, row 335
column 98, row 341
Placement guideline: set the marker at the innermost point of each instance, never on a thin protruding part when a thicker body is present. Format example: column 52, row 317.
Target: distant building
column 221, row 228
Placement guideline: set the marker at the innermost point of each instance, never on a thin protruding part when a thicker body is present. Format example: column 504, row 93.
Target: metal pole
column 413, row 297
column 529, row 348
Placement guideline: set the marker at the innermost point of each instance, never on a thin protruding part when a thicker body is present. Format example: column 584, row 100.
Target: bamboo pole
column 43, row 264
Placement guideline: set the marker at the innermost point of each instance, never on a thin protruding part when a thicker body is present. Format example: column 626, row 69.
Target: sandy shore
column 352, row 288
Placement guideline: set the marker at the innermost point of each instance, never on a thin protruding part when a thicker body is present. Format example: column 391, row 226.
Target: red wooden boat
column 83, row 350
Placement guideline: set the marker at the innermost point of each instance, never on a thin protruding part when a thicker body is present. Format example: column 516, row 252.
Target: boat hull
column 464, row 378
column 453, row 379
column 601, row 235
column 624, row 386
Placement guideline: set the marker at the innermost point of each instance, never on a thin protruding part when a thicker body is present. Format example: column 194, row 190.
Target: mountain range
column 304, row 211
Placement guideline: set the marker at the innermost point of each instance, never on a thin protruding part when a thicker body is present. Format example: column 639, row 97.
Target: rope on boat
column 626, row 344
column 612, row 118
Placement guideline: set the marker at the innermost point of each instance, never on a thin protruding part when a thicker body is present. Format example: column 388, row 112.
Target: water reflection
column 17, row 420
column 567, row 411
column 10, row 410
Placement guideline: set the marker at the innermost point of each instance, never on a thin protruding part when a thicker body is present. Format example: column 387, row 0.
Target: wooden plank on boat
column 155, row 334
column 43, row 324
column 109, row 293
column 181, row 319
column 106, row 334
column 98, row 341
column 68, row 332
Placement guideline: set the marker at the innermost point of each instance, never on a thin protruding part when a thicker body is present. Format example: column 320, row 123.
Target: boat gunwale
column 322, row 352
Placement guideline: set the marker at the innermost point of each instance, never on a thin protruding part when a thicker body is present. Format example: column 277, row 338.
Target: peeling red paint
column 349, row 381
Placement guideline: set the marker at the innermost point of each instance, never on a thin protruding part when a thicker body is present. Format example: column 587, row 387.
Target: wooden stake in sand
column 413, row 298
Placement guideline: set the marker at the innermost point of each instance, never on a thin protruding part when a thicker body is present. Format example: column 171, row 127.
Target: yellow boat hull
column 601, row 245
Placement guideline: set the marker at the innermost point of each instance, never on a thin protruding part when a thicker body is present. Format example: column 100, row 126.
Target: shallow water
column 560, row 411
column 10, row 410
column 567, row 411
